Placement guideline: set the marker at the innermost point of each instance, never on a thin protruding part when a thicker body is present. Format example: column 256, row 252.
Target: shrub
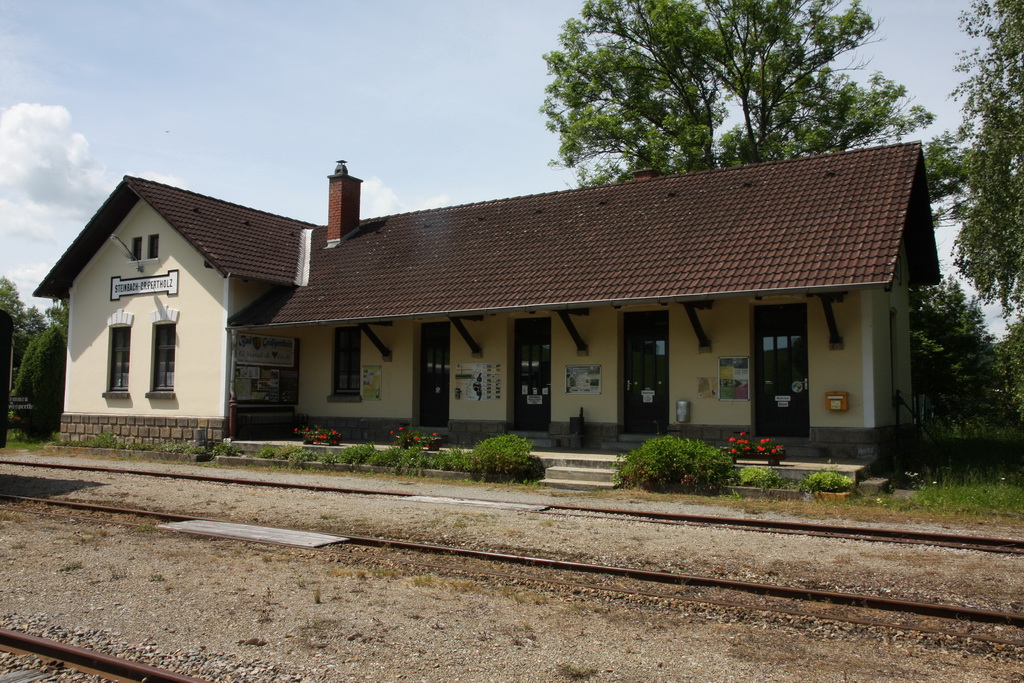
column 829, row 481
column 455, row 459
column 671, row 461
column 509, row 455
column 225, row 448
column 761, row 477
column 102, row 440
column 293, row 453
column 357, row 455
column 267, row 452
column 41, row 378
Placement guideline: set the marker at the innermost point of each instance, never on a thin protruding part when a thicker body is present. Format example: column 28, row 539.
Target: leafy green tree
column 1010, row 351
column 990, row 247
column 952, row 352
column 41, row 379
column 947, row 177
column 28, row 321
column 650, row 83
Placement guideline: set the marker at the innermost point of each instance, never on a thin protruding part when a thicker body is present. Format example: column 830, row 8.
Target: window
column 346, row 360
column 120, row 344
column 154, row 247
column 137, row 248
column 163, row 361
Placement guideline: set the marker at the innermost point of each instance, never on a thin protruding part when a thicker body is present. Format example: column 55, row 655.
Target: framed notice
column 266, row 369
column 734, row 378
column 583, row 379
column 478, row 381
column 372, row 380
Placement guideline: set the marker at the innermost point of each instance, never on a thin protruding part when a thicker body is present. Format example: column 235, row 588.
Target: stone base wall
column 595, row 434
column 148, row 429
column 878, row 443
column 468, row 433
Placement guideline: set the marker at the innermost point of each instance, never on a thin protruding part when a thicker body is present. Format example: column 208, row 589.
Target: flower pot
column 831, row 497
column 434, row 445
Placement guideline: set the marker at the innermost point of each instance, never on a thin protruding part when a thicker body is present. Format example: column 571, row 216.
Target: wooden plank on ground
column 259, row 534
column 479, row 503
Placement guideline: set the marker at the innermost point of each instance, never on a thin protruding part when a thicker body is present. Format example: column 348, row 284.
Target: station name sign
column 157, row 284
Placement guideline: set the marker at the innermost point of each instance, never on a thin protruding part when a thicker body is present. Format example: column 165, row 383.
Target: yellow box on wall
column 837, row 400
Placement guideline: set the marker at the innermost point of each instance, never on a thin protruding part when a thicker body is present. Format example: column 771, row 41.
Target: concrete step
column 580, row 474
column 576, row 485
column 589, row 460
column 541, row 440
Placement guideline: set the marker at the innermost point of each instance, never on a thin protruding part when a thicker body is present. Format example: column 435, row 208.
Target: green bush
column 454, row 459
column 761, row 477
column 41, row 378
column 293, row 453
column 102, row 440
column 829, row 481
column 225, row 448
column 508, row 455
column 357, row 455
column 671, row 461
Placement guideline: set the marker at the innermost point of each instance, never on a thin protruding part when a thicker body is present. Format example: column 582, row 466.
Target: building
column 770, row 298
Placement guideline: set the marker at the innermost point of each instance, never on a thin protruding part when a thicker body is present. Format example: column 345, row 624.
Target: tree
column 990, row 246
column 649, row 83
column 28, row 321
column 952, row 352
column 1010, row 352
column 41, row 379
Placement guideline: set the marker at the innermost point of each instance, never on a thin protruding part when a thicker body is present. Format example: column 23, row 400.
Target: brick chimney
column 645, row 174
column 343, row 204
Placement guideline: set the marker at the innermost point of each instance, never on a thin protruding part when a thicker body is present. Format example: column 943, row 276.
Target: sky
column 253, row 101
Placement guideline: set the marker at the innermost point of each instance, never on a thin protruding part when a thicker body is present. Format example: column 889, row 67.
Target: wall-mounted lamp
column 128, row 252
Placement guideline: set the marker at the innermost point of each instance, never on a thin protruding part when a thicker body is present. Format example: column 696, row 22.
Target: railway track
column 949, row 613
column 867, row 534
column 86, row 661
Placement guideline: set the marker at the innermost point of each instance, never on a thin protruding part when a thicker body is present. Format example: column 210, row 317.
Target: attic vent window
column 195, row 209
column 830, row 174
column 748, row 184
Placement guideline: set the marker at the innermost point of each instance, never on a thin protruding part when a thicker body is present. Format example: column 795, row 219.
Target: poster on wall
column 266, row 385
column 583, row 379
column 478, row 381
column 734, row 378
column 266, row 369
column 370, row 388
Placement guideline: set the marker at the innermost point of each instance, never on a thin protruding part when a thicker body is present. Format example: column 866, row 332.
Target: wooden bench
column 266, row 421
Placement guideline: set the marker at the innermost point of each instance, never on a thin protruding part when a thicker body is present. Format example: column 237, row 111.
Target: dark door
column 533, row 375
column 435, row 373
column 646, row 372
column 781, row 403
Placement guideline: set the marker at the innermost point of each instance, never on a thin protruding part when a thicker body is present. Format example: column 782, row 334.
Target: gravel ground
column 230, row 611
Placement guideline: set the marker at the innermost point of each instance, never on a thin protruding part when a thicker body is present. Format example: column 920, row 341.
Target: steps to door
column 583, row 472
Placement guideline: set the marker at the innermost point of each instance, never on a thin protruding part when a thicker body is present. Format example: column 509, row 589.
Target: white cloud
column 27, row 277
column 45, row 166
column 380, row 200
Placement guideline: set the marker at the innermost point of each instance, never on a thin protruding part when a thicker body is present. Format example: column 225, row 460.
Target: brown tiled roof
column 813, row 224
column 233, row 239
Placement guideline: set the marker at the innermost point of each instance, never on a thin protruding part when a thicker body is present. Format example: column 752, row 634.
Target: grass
column 19, row 441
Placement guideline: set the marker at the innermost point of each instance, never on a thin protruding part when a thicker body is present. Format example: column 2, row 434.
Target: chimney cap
column 341, row 169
